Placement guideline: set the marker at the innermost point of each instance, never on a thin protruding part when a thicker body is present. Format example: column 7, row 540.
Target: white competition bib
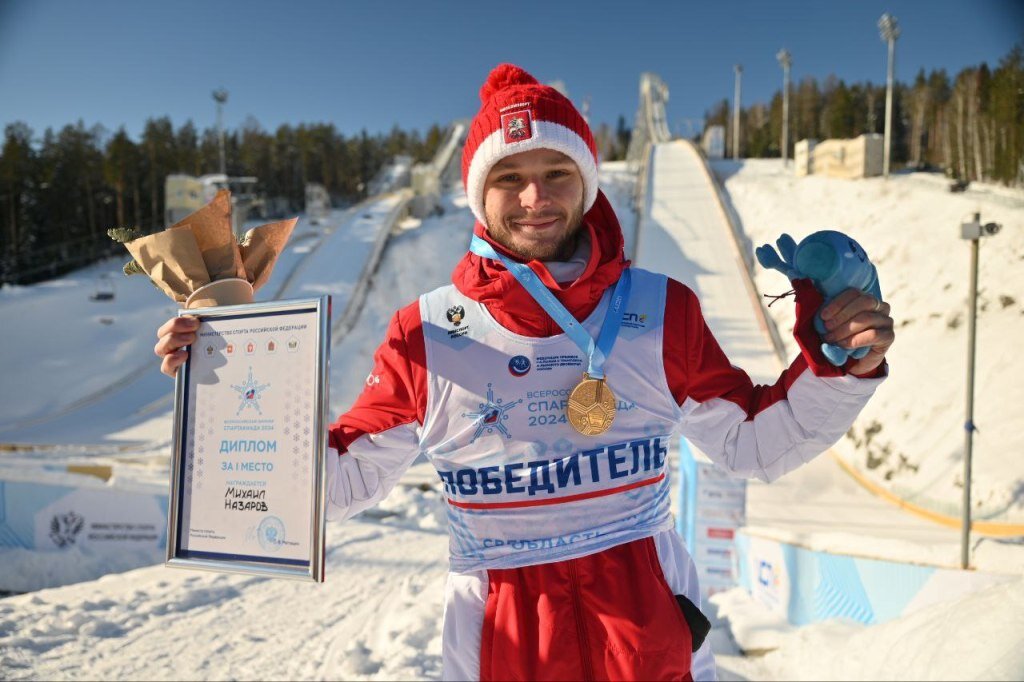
column 522, row 486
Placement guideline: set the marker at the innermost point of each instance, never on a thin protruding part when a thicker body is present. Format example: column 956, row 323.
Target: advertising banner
column 712, row 508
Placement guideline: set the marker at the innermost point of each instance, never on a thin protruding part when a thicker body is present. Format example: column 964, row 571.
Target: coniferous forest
column 971, row 126
column 61, row 190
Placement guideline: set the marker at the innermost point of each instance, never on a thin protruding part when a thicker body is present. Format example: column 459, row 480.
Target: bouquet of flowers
column 198, row 262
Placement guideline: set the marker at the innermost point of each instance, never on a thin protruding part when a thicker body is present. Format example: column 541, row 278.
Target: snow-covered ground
column 92, row 381
column 979, row 637
column 618, row 184
column 378, row 615
column 124, row 421
column 910, row 437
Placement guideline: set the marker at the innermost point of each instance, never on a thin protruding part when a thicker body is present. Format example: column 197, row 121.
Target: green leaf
column 132, row 267
column 122, row 235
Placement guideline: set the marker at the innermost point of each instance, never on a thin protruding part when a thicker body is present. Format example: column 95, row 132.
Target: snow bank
column 979, row 637
column 376, row 618
column 910, row 436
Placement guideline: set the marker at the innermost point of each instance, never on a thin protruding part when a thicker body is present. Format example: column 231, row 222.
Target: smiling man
column 534, row 204
column 549, row 420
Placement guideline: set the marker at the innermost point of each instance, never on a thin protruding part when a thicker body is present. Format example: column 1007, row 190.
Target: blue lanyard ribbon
column 597, row 352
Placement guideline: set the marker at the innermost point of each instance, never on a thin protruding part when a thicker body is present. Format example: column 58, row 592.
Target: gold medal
column 591, row 408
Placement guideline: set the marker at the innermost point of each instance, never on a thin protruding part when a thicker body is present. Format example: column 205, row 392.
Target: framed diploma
column 250, row 436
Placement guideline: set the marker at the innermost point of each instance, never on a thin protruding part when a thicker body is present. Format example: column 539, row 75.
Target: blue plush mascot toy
column 834, row 262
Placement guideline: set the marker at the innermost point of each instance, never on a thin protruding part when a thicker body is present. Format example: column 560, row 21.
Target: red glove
column 808, row 302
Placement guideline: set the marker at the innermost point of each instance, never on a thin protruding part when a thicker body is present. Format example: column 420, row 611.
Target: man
column 563, row 558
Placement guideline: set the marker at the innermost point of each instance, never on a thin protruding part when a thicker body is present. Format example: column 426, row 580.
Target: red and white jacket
column 606, row 604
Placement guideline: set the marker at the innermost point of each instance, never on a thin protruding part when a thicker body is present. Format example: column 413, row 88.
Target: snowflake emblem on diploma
column 249, row 393
column 491, row 415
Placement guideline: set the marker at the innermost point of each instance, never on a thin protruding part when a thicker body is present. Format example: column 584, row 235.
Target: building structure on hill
column 713, row 142
column 860, row 157
column 186, row 194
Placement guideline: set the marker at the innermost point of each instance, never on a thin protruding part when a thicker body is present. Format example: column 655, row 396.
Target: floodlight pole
column 738, row 69
column 972, row 231
column 965, row 527
column 890, row 31
column 220, row 96
column 786, row 60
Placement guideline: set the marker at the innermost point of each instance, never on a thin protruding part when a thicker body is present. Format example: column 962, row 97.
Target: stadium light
column 738, row 69
column 890, row 31
column 220, row 96
column 786, row 60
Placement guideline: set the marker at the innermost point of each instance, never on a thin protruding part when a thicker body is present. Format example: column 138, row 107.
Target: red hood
column 488, row 282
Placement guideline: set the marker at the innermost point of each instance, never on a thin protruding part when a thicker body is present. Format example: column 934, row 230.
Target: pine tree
column 1006, row 109
column 17, row 190
column 806, row 110
column 623, row 135
column 159, row 159
column 186, row 145
column 120, row 170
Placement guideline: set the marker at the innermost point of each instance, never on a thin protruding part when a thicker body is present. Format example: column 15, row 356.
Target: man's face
column 534, row 204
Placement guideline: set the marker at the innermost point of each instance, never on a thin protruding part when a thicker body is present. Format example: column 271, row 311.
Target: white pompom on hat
column 518, row 114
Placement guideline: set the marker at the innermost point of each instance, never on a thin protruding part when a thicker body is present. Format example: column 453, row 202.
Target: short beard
column 560, row 251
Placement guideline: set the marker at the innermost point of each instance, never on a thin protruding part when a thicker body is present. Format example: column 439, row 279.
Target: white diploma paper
column 248, row 480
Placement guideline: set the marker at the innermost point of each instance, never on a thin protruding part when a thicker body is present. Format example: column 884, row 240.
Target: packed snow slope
column 684, row 234
column 910, row 437
column 85, row 369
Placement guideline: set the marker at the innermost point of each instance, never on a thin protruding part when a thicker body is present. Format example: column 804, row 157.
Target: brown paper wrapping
column 201, row 249
column 260, row 248
column 211, row 226
column 173, row 261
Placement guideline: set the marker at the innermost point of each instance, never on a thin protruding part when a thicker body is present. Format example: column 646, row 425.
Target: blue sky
column 375, row 64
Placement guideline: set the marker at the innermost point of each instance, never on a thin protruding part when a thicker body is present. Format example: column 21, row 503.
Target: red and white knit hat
column 518, row 114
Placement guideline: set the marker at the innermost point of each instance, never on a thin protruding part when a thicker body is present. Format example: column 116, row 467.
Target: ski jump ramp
column 684, row 232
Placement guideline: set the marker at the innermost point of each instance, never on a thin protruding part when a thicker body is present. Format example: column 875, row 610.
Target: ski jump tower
column 430, row 180
column 651, row 125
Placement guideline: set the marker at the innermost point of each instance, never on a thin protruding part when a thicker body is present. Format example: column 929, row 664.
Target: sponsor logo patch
column 517, row 126
column 519, row 366
column 634, row 320
column 456, row 314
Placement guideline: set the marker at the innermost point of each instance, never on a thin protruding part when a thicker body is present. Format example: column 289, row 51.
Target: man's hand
column 173, row 336
column 854, row 319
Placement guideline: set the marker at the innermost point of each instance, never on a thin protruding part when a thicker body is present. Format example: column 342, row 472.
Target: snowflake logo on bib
column 491, row 415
